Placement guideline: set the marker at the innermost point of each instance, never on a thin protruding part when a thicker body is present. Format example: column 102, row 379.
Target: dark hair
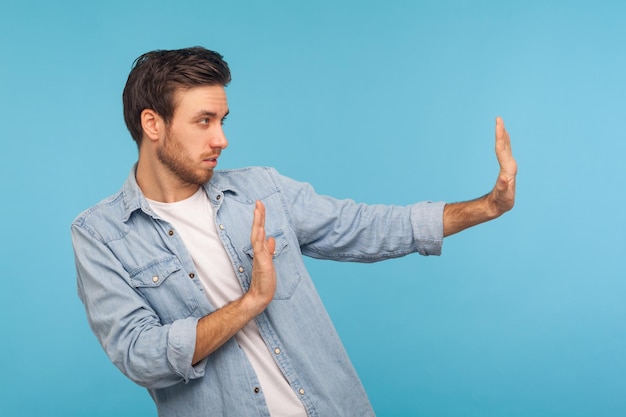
column 156, row 76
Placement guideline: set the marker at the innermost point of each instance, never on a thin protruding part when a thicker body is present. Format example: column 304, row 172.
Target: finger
column 503, row 141
column 271, row 245
column 503, row 183
column 260, row 209
column 257, row 235
column 504, row 153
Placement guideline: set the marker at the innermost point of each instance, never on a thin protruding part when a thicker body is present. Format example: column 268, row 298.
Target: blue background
column 382, row 102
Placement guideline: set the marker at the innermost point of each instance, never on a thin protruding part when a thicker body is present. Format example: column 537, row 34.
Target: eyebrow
column 207, row 113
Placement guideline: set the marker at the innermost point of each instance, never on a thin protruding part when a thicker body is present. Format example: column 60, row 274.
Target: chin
column 197, row 178
column 205, row 177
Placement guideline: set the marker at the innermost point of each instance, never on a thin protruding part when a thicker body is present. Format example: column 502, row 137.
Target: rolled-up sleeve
column 427, row 222
column 181, row 341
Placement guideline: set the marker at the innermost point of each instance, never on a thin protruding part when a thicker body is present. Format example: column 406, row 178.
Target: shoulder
column 258, row 183
column 108, row 213
column 244, row 174
column 256, row 179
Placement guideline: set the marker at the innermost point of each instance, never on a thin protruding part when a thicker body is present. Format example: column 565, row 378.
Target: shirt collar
column 221, row 183
column 135, row 200
column 133, row 197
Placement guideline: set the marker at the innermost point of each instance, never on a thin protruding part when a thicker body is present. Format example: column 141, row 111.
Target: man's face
column 195, row 138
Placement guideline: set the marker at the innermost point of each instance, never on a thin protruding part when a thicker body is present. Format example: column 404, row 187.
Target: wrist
column 492, row 209
column 253, row 304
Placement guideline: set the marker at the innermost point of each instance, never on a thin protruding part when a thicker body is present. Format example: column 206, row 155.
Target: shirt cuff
column 181, row 344
column 427, row 221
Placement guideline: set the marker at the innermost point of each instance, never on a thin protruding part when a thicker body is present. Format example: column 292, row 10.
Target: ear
column 152, row 124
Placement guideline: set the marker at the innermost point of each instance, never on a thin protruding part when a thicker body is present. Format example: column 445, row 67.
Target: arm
column 151, row 353
column 216, row 328
column 460, row 216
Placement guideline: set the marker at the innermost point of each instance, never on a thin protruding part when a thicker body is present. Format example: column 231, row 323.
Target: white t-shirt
column 193, row 218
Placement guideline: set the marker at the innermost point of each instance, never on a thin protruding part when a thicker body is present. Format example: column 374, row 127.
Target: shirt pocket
column 167, row 290
column 287, row 275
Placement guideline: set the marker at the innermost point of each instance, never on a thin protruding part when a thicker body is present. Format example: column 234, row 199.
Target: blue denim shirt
column 143, row 299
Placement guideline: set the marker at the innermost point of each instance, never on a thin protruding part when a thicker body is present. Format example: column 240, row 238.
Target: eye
column 204, row 121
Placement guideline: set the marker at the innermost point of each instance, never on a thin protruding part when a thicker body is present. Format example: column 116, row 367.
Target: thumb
column 271, row 244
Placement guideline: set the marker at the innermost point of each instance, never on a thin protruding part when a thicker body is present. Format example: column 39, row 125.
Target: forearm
column 460, row 216
column 217, row 328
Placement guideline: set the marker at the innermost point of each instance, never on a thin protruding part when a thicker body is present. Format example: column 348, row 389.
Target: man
column 193, row 278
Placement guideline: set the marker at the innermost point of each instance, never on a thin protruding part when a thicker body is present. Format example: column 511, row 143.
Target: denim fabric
column 143, row 299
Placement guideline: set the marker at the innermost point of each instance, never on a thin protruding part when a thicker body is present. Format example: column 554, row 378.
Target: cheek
column 185, row 141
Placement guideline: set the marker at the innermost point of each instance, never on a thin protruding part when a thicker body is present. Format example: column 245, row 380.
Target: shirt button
column 257, row 390
column 221, row 227
column 277, row 351
column 155, row 279
column 191, row 275
column 301, row 391
column 171, row 233
column 241, row 269
column 218, row 197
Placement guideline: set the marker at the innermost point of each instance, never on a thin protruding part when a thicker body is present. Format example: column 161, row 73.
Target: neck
column 159, row 184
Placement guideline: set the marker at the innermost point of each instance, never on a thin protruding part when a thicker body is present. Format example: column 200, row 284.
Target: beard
column 175, row 158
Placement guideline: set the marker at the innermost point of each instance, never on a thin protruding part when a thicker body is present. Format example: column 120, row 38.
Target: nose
column 218, row 139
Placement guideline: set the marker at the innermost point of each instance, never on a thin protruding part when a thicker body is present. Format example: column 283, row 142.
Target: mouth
column 212, row 162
